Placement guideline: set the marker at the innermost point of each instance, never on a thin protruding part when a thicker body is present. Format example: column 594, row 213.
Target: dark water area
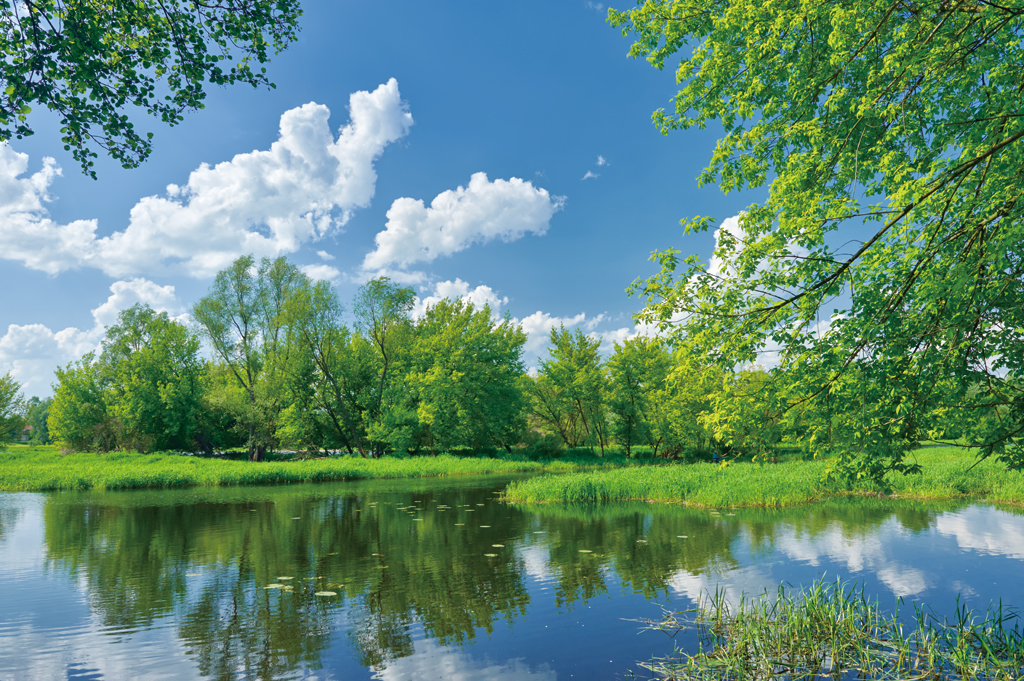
column 435, row 579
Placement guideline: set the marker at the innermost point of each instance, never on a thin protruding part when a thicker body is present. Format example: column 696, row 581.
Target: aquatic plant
column 832, row 630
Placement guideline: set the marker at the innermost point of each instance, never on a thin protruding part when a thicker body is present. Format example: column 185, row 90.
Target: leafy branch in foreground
column 87, row 60
column 891, row 247
column 834, row 631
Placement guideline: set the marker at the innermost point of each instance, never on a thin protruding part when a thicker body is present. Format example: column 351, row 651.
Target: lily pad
column 273, row 586
column 498, row 546
column 326, row 593
column 491, row 555
column 284, row 578
column 585, row 551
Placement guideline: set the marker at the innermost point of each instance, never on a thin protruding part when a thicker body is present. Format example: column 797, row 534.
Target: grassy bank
column 38, row 469
column 948, row 474
column 834, row 631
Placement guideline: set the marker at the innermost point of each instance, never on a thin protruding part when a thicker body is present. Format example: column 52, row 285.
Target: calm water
column 434, row 579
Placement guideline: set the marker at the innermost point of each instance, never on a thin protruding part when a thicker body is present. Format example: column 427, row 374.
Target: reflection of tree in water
column 207, row 565
column 267, row 633
column 8, row 517
column 396, row 558
column 646, row 545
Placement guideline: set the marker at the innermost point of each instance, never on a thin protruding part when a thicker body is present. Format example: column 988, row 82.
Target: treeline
column 285, row 370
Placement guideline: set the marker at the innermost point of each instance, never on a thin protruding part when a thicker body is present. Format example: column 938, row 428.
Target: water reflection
column 431, row 579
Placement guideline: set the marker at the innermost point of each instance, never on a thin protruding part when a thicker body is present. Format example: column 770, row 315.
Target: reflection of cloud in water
column 903, row 581
column 751, row 581
column 856, row 552
column 986, row 530
column 431, row 661
column 28, row 653
column 536, row 562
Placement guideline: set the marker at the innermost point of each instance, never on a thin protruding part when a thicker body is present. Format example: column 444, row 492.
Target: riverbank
column 948, row 473
column 45, row 469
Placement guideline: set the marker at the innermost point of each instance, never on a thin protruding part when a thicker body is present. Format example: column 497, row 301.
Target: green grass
column 949, row 473
column 831, row 631
column 38, row 469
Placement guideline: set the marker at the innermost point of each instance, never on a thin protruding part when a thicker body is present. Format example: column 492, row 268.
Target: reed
column 834, row 631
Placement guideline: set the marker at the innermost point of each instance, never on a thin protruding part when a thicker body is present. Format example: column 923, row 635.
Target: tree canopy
column 88, row 60
column 890, row 135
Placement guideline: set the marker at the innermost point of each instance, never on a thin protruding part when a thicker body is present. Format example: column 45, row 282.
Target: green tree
column 153, row 380
column 383, row 318
column 11, row 407
column 466, row 372
column 899, row 120
column 569, row 392
column 37, row 411
column 637, row 370
column 78, row 418
column 243, row 317
column 325, row 376
column 88, row 60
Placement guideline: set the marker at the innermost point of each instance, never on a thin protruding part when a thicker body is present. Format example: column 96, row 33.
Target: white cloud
column 459, row 290
column 321, row 272
column 589, row 175
column 324, row 255
column 432, row 661
column 538, row 329
column 264, row 202
column 602, row 161
column 32, row 352
column 481, row 212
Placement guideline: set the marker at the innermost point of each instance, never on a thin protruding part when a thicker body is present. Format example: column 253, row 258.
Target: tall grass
column 35, row 469
column 698, row 484
column 948, row 473
column 834, row 631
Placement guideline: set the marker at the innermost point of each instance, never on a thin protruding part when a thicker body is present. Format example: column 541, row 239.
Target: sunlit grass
column 948, row 473
column 46, row 469
column 833, row 631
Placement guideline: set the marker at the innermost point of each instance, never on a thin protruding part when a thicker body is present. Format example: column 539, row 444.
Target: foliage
column 243, row 317
column 11, row 407
column 87, row 61
column 569, row 392
column 637, row 371
column 466, row 372
column 899, row 121
column 37, row 412
column 78, row 417
column 144, row 392
column 153, row 380
column 383, row 317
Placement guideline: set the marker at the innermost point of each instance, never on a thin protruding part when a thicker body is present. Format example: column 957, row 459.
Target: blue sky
column 502, row 151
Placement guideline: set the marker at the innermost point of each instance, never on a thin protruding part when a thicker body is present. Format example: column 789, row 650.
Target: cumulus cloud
column 478, row 213
column 264, row 202
column 324, row 255
column 321, row 272
column 602, row 161
column 32, row 352
column 459, row 290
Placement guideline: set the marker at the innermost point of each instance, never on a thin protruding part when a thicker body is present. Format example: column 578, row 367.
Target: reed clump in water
column 832, row 631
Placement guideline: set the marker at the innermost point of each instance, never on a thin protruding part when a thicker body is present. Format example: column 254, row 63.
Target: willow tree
column 244, row 318
column 890, row 135
column 87, row 61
